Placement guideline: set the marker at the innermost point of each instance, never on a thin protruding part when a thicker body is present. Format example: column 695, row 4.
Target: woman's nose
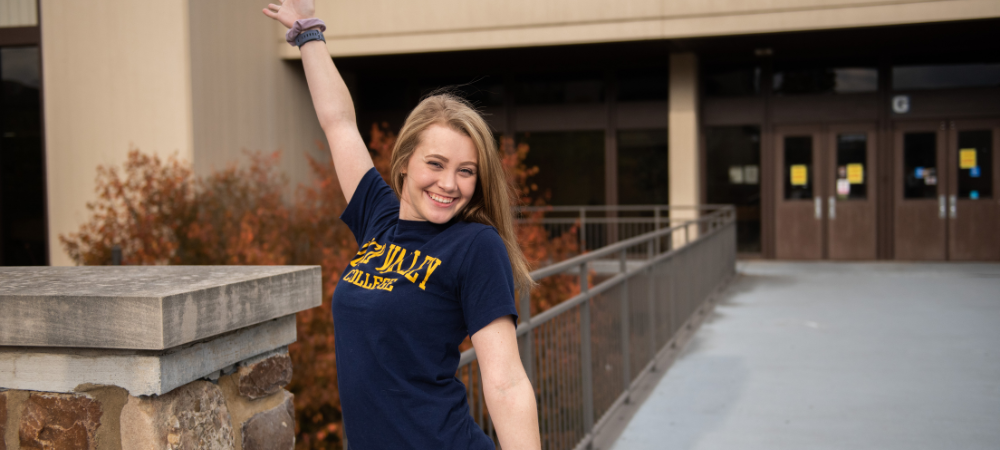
column 447, row 182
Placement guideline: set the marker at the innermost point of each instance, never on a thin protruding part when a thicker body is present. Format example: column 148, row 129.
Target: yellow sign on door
column 967, row 158
column 800, row 174
column 856, row 173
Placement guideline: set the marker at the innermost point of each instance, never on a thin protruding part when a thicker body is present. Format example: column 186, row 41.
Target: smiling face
column 440, row 176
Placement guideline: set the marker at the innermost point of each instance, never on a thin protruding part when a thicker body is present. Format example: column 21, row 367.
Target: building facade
column 841, row 129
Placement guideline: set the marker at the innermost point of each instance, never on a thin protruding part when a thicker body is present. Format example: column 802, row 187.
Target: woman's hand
column 290, row 10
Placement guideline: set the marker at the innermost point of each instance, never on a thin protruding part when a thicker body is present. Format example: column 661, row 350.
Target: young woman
column 437, row 261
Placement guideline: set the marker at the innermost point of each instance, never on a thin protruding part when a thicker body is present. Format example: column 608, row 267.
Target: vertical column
column 685, row 170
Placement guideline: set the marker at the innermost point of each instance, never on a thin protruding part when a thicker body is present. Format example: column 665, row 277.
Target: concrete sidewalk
column 837, row 356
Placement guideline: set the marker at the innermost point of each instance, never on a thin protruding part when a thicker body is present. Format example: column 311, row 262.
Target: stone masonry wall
column 244, row 409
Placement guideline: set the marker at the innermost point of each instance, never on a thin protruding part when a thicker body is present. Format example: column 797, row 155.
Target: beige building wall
column 115, row 76
column 391, row 26
column 244, row 97
column 199, row 79
column 682, row 129
column 18, row 13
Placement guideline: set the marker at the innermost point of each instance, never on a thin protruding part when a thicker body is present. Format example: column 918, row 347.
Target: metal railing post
column 585, row 355
column 528, row 349
column 652, row 308
column 626, row 332
column 583, row 230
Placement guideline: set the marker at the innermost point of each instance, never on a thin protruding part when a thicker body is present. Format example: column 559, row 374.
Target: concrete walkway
column 836, row 356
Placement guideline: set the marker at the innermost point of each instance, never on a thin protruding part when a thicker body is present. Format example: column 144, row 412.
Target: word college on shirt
column 393, row 263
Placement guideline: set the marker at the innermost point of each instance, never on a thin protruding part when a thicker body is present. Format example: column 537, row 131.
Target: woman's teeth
column 441, row 199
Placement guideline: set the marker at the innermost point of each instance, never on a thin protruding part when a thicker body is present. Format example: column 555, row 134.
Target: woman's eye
column 435, row 164
column 468, row 172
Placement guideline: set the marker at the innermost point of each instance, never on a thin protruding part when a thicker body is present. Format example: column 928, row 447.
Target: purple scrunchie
column 300, row 25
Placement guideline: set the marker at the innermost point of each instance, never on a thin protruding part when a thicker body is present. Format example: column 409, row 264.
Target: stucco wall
column 390, row 26
column 18, row 13
column 115, row 76
column 244, row 97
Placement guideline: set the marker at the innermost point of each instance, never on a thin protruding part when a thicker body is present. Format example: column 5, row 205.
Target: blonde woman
column 438, row 261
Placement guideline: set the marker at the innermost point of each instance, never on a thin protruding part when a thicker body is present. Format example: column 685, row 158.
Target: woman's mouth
column 440, row 199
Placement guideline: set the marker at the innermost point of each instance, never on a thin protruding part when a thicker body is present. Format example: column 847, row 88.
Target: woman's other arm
column 509, row 395
column 330, row 98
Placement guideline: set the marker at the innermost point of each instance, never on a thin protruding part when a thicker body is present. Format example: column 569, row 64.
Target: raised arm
column 330, row 98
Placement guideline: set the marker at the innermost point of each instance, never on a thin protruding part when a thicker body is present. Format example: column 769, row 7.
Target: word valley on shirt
column 393, row 259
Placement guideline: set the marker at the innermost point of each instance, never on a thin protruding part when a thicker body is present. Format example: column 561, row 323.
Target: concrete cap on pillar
column 146, row 307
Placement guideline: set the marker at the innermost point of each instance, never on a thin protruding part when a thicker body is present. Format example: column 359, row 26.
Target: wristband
column 308, row 35
column 300, row 25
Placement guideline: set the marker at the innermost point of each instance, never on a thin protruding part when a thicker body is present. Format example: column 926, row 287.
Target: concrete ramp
column 836, row 356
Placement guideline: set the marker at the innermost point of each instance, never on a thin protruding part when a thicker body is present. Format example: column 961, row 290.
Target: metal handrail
column 715, row 238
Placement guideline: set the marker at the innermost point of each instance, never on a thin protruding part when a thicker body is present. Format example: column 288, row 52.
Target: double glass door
column 946, row 200
column 825, row 205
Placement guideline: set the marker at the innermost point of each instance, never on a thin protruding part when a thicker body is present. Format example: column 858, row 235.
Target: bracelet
column 300, row 25
column 309, row 35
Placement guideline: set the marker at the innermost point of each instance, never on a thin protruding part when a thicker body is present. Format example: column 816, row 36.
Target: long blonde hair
column 491, row 204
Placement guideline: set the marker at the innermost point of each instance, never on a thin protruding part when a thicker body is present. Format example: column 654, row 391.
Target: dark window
column 799, row 176
column 22, row 200
column 483, row 91
column 852, row 173
column 841, row 80
column 559, row 89
column 642, row 167
column 643, row 85
column 945, row 76
column 727, row 81
column 975, row 164
column 570, row 166
column 733, row 177
column 920, row 176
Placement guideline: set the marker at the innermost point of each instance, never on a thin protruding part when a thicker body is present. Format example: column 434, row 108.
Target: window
column 975, row 164
column 22, row 199
column 852, row 176
column 920, row 165
column 642, row 167
column 560, row 89
column 799, row 176
column 733, row 177
column 726, row 81
column 643, row 85
column 841, row 80
column 945, row 76
column 570, row 166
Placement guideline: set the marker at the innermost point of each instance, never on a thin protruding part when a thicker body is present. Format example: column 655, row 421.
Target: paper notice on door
column 735, row 174
column 799, row 174
column 967, row 158
column 751, row 174
column 843, row 187
column 856, row 173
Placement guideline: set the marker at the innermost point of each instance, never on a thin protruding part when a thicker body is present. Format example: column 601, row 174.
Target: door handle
column 833, row 208
column 952, row 208
column 942, row 205
column 819, row 207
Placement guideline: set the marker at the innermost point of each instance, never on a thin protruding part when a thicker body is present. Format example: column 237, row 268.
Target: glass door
column 799, row 204
column 973, row 208
column 850, row 192
column 920, row 183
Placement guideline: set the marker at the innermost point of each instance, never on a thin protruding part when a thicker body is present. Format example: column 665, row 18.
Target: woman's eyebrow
column 435, row 155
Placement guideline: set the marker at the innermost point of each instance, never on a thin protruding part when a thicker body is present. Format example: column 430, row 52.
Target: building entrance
column 825, row 197
column 945, row 198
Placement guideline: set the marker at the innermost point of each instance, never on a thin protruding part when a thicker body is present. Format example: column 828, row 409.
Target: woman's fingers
column 269, row 13
column 273, row 7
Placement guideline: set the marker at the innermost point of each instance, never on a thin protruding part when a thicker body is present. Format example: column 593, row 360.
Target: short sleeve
column 373, row 206
column 486, row 282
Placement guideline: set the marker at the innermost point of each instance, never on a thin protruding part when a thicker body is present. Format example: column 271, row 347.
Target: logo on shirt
column 394, row 261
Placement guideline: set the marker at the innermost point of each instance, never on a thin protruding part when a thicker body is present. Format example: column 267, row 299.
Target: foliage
column 159, row 212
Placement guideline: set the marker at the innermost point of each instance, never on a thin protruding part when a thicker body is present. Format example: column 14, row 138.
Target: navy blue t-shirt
column 400, row 311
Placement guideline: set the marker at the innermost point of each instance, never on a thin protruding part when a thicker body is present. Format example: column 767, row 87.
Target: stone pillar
column 685, row 170
column 110, row 358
